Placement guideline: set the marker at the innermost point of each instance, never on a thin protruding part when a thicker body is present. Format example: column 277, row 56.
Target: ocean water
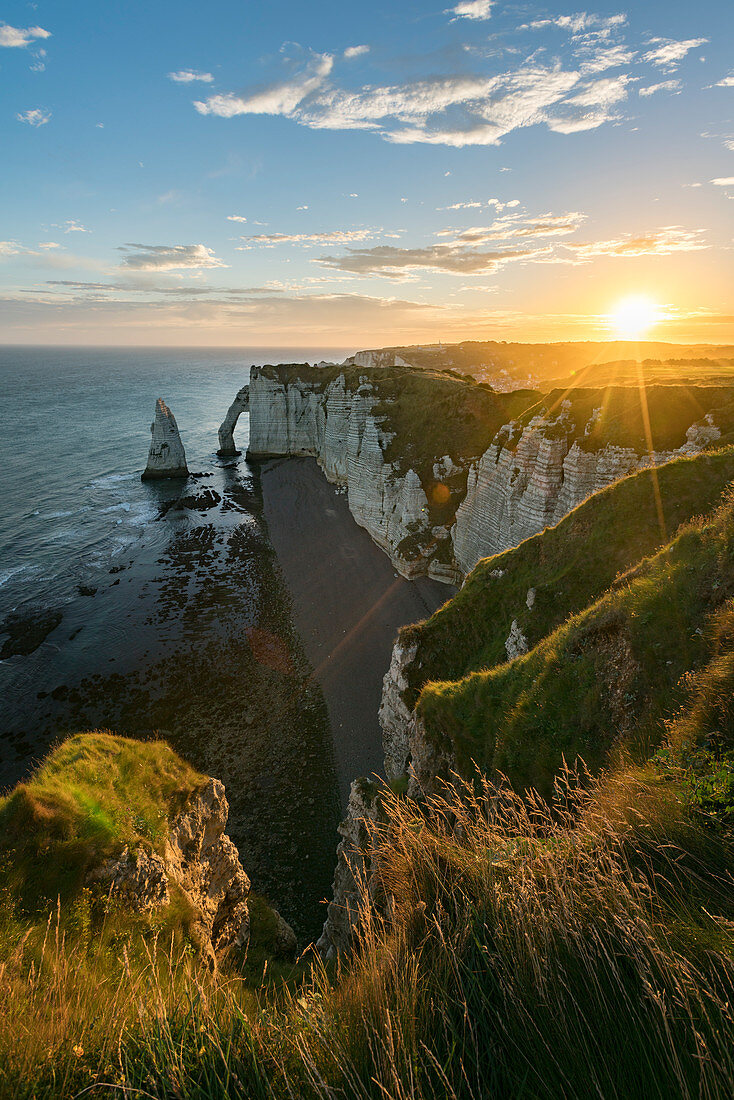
column 75, row 436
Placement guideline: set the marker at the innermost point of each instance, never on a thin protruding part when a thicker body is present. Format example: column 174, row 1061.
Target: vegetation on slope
column 524, row 952
column 94, row 795
column 551, row 362
column 608, row 675
column 569, row 566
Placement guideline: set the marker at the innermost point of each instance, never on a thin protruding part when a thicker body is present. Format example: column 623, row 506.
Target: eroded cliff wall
column 335, row 422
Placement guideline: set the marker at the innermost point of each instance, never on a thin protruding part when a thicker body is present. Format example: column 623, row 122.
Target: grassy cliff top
column 555, row 360
column 568, row 566
column 431, row 413
column 609, row 675
column 95, row 794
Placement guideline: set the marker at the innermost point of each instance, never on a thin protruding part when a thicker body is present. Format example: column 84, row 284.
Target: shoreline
column 251, row 628
column 348, row 604
column 193, row 642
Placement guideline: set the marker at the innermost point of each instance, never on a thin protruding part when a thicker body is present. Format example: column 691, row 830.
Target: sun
column 633, row 317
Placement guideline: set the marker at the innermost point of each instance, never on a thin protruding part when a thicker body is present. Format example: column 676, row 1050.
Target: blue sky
column 238, row 173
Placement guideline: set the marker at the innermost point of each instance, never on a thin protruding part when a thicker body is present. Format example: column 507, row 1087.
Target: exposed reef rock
column 240, row 404
column 166, row 457
column 199, row 860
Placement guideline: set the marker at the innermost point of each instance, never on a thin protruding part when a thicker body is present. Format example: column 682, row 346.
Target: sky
column 333, row 174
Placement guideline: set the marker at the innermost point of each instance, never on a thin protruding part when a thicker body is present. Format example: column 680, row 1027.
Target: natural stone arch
column 226, row 432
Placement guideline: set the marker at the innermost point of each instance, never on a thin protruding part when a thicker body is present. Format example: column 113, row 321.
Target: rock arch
column 226, row 432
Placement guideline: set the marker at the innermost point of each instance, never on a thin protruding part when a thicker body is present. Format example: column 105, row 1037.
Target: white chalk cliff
column 527, row 479
column 335, row 424
column 226, row 432
column 166, row 457
column 513, row 493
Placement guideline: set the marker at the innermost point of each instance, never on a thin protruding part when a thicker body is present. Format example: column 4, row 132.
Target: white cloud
column 302, row 208
column 477, row 205
column 602, row 93
column 35, row 117
column 726, row 81
column 393, row 262
column 10, row 248
column 276, row 99
column 338, row 236
column 517, row 227
column 663, row 86
column 597, row 59
column 17, row 36
column 189, row 76
column 355, row 51
column 50, row 244
column 159, row 257
column 658, row 242
column 73, row 226
column 236, row 218
column 667, row 53
column 723, row 181
column 472, row 9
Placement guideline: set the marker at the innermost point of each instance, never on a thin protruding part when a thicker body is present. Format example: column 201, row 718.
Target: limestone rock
column 513, row 494
column 226, row 432
column 516, row 643
column 137, row 878
column 351, row 877
column 166, row 457
column 429, row 765
column 394, row 715
column 202, row 862
column 336, row 425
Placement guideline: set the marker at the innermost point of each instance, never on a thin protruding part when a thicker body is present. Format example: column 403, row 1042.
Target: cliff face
column 166, row 457
column 336, row 424
column 493, row 496
column 515, row 493
column 198, row 859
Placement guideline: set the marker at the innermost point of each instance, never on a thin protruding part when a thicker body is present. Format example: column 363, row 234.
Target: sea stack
column 226, row 436
column 166, row 457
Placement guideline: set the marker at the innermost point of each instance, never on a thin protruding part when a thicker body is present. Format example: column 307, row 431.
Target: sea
column 75, row 436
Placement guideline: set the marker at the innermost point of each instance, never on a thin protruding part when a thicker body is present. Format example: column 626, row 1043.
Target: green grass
column 525, row 952
column 609, row 675
column 569, row 566
column 95, row 794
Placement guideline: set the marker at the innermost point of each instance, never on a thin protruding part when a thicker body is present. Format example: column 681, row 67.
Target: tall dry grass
column 506, row 949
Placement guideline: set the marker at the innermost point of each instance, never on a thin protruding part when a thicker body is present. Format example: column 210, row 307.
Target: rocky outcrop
column 515, row 491
column 336, row 424
column 201, row 862
column 352, row 874
column 394, row 714
column 240, row 404
column 166, row 457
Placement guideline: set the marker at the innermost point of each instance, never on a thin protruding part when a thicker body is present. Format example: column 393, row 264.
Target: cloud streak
column 36, row 117
column 190, row 76
column 159, row 257
column 17, row 37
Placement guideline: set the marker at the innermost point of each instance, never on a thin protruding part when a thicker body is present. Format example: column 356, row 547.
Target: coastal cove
column 195, row 630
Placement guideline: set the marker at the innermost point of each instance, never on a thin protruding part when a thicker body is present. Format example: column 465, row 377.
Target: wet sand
column 348, row 604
